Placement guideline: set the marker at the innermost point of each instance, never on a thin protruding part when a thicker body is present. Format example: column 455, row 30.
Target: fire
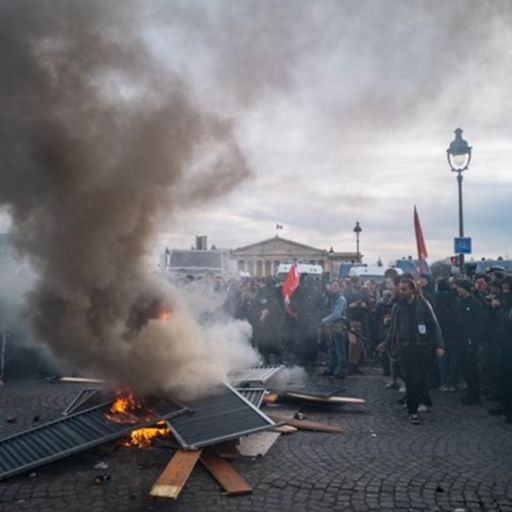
column 164, row 314
column 142, row 437
column 129, row 409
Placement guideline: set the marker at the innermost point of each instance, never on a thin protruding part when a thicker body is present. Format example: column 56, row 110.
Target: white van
column 375, row 272
column 303, row 268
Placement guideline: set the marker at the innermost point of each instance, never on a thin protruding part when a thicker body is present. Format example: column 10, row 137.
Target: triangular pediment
column 279, row 247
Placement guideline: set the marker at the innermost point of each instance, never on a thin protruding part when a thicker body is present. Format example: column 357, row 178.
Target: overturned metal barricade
column 66, row 436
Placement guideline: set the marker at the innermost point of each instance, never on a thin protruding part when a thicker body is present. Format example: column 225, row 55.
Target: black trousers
column 414, row 365
column 468, row 360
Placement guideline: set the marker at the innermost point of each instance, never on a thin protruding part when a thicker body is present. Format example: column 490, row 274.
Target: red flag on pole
column 290, row 285
column 420, row 243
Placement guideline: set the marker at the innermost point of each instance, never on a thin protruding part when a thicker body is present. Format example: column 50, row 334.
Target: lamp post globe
column 459, row 157
column 357, row 229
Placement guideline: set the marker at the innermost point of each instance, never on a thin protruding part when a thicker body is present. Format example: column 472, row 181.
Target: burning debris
column 128, row 409
column 102, row 142
column 142, row 437
column 206, row 430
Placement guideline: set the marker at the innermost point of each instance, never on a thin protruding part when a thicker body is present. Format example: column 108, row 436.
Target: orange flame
column 142, row 437
column 164, row 314
column 128, row 409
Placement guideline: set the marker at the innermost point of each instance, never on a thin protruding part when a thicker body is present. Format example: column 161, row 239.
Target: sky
column 344, row 111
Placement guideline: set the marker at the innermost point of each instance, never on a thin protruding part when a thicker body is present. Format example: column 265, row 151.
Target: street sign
column 462, row 245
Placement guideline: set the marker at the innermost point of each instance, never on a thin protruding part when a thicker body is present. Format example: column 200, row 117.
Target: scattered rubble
column 211, row 431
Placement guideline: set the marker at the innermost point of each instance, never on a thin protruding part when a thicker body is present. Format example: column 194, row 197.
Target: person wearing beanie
column 469, row 324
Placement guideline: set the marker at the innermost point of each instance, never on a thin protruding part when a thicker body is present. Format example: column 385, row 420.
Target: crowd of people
column 451, row 334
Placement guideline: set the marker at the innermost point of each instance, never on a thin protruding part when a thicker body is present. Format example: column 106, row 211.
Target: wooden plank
column 308, row 425
column 329, row 400
column 225, row 474
column 175, row 475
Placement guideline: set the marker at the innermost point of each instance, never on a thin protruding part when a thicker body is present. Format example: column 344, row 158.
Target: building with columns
column 261, row 259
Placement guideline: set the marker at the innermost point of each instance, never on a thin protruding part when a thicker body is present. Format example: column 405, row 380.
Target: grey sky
column 344, row 110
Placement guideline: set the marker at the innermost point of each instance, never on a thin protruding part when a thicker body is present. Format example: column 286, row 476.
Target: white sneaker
column 414, row 419
column 444, row 389
column 422, row 408
column 402, row 388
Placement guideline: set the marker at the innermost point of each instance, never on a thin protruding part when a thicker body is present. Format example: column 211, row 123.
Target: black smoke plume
column 97, row 141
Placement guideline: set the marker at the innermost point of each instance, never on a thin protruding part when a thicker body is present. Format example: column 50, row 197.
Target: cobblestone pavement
column 459, row 458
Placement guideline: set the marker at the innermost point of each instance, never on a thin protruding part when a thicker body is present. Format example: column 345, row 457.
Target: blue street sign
column 462, row 245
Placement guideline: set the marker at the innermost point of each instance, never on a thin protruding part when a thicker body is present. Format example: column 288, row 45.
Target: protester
column 445, row 311
column 372, row 319
column 414, row 333
column 468, row 334
column 333, row 325
column 357, row 300
column 307, row 304
column 383, row 313
column 265, row 321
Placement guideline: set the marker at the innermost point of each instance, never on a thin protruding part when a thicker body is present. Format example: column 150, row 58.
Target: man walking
column 414, row 333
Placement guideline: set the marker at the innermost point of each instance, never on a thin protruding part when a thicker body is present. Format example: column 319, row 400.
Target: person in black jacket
column 265, row 314
column 445, row 311
column 414, row 333
column 357, row 301
column 468, row 334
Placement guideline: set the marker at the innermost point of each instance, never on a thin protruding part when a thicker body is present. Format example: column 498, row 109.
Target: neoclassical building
column 262, row 258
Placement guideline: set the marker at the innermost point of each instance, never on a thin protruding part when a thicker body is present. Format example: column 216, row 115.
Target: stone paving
column 459, row 458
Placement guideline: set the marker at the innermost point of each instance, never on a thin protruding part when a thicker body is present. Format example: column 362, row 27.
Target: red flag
column 290, row 285
column 420, row 243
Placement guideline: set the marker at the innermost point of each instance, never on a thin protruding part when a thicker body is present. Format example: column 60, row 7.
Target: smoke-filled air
column 98, row 142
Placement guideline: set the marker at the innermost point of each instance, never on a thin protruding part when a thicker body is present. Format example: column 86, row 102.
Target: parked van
column 303, row 268
column 375, row 272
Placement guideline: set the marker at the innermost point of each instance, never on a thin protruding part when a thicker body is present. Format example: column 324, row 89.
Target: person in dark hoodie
column 265, row 321
column 445, row 311
column 469, row 316
column 503, row 376
column 414, row 333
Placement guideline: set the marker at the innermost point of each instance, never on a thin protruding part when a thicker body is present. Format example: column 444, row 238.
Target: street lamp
column 357, row 229
column 459, row 156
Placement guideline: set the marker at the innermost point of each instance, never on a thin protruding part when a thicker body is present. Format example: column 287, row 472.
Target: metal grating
column 80, row 399
column 214, row 419
column 254, row 395
column 255, row 374
column 65, row 436
column 318, row 391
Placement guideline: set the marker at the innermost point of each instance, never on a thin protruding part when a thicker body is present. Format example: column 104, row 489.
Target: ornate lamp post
column 357, row 229
column 459, row 156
